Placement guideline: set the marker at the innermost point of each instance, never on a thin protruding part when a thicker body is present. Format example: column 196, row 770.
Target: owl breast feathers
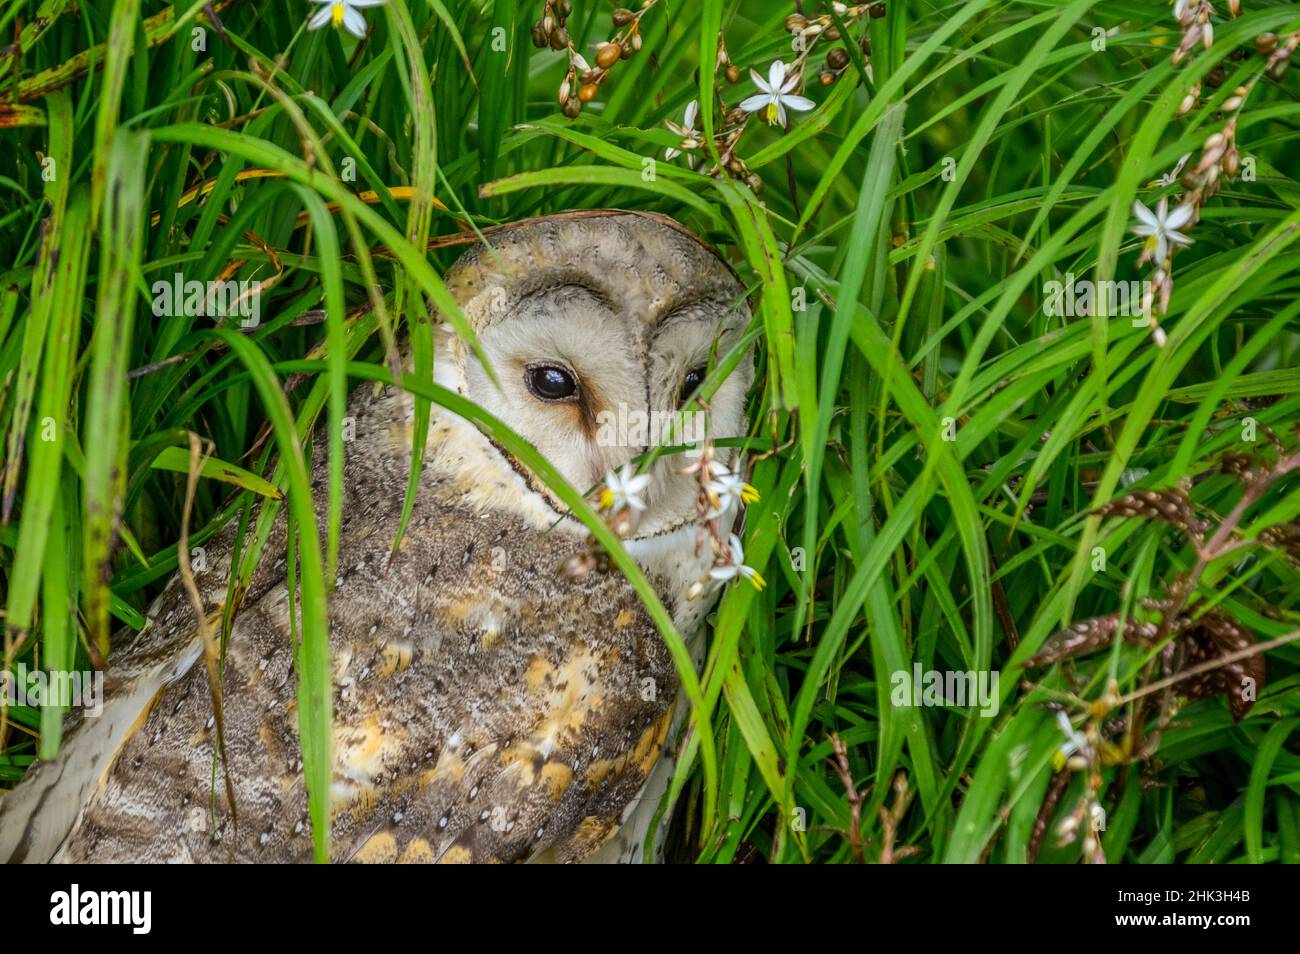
column 488, row 707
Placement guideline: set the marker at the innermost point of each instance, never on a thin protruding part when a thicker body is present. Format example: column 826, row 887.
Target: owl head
column 600, row 326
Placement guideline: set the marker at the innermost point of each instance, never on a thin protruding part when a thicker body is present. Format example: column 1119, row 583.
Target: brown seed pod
column 837, row 59
column 588, row 92
column 1167, row 506
column 794, row 22
column 1283, row 536
column 1215, row 635
column 1089, row 635
column 865, row 43
column 636, row 42
column 623, row 16
column 877, row 10
column 832, row 33
column 625, row 51
column 540, row 39
column 573, row 107
column 607, row 55
column 1266, row 43
column 559, row 39
column 733, row 73
column 1214, row 78
column 1245, row 468
column 826, row 77
column 564, row 8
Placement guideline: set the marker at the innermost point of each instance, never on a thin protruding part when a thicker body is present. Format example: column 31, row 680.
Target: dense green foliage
column 931, row 445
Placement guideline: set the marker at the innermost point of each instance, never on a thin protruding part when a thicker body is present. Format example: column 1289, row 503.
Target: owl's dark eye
column 694, row 378
column 551, row 383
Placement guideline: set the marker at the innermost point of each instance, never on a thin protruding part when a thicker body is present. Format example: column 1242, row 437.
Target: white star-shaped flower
column 734, row 566
column 1075, row 741
column 725, row 490
column 344, row 13
column 623, row 490
column 686, row 130
column 1160, row 228
column 776, row 95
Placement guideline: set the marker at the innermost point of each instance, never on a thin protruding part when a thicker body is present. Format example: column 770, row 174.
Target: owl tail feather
column 38, row 815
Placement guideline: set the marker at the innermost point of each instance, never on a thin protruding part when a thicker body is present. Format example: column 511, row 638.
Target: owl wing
column 550, row 735
column 486, row 707
column 36, row 816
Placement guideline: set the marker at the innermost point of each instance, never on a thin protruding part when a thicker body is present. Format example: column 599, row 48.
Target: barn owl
column 488, row 707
